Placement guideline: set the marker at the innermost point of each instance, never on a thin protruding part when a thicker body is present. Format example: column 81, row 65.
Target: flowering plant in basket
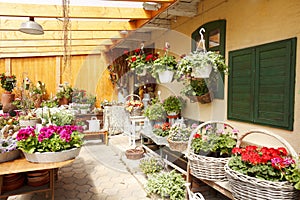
column 161, row 130
column 140, row 61
column 50, row 138
column 131, row 104
column 214, row 142
column 272, row 164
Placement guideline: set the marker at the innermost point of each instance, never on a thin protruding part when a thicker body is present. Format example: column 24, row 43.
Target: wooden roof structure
column 93, row 28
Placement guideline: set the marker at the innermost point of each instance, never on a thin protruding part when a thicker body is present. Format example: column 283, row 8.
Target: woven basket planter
column 250, row 188
column 206, row 167
column 134, row 154
column 177, row 145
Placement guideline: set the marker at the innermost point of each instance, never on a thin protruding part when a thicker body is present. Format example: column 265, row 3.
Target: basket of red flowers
column 134, row 105
column 263, row 172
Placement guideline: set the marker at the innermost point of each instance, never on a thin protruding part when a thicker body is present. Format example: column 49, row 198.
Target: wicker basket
column 249, row 188
column 205, row 167
column 135, row 154
column 177, row 145
column 135, row 111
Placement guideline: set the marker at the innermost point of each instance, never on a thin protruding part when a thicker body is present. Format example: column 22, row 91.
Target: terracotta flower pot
column 7, row 97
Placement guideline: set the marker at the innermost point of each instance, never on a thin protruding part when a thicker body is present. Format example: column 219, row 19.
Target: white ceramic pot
column 202, row 72
column 166, row 76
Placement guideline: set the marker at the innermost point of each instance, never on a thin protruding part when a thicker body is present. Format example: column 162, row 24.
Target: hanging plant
column 164, row 65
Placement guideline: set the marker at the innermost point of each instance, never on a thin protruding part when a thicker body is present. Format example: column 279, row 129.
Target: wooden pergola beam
column 58, row 35
column 55, row 11
column 57, row 25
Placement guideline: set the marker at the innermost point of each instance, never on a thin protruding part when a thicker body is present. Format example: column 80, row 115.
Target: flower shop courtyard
column 100, row 173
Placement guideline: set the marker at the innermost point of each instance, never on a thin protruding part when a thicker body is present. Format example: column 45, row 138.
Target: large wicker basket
column 205, row 167
column 249, row 188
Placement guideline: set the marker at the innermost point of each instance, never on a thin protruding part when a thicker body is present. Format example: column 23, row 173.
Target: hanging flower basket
column 205, row 98
column 165, row 76
column 202, row 71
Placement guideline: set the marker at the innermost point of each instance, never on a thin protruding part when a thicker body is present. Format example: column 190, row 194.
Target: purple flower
column 208, row 127
column 25, row 133
column 45, row 133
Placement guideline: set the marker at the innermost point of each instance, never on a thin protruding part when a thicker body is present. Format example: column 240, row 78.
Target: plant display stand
column 22, row 166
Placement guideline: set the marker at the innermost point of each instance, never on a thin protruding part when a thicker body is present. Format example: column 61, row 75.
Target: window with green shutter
column 262, row 84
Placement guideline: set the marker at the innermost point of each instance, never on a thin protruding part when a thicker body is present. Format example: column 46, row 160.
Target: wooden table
column 22, row 165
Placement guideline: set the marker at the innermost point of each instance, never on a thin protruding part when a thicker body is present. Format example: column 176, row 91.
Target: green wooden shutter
column 240, row 85
column 274, row 84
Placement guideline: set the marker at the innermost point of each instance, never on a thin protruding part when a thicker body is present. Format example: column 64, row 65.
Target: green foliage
column 213, row 140
column 200, row 59
column 265, row 163
column 64, row 91
column 155, row 111
column 151, row 165
column 195, row 87
column 178, row 132
column 173, row 104
column 170, row 184
column 49, row 139
column 8, row 83
column 51, row 103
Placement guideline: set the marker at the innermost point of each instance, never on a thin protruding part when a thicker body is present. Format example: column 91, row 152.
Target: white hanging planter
column 202, row 72
column 166, row 76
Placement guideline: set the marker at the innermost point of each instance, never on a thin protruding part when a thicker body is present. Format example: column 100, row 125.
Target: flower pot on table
column 11, row 155
column 48, row 157
column 7, row 97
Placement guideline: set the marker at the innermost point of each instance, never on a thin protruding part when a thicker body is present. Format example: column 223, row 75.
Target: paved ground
column 96, row 174
column 102, row 172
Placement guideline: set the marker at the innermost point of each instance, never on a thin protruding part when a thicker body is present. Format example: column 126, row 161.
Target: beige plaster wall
column 249, row 23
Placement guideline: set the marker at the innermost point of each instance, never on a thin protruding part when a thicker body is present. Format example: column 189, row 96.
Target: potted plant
column 164, row 67
column 264, row 172
column 28, row 119
column 8, row 83
column 151, row 165
column 167, row 185
column 178, row 138
column 200, row 64
column 173, row 105
column 134, row 107
column 59, row 116
column 37, row 93
column 8, row 149
column 215, row 143
column 140, row 62
column 209, row 149
column 155, row 111
column 51, row 143
column 197, row 91
column 64, row 94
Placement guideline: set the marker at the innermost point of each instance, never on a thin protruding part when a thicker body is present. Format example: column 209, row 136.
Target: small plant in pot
column 151, row 165
column 167, row 185
column 155, row 111
column 64, row 94
column 197, row 91
column 178, row 138
column 173, row 105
